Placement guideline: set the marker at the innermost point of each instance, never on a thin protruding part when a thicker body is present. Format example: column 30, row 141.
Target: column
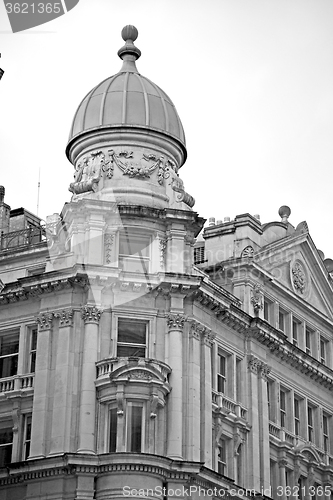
column 264, row 429
column 175, row 324
column 281, row 488
column 87, row 410
column 206, row 400
column 194, row 416
column 40, row 416
column 60, row 433
column 254, row 438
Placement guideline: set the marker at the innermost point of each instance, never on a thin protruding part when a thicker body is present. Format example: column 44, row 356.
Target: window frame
column 126, row 259
column 297, row 419
column 6, row 425
column 32, row 329
column 323, row 343
column 283, row 408
column 310, row 424
column 222, row 459
column 9, row 333
column 26, row 443
column 221, row 372
column 326, row 432
column 130, row 404
column 133, row 345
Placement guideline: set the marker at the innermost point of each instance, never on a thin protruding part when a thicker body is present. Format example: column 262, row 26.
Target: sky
column 252, row 81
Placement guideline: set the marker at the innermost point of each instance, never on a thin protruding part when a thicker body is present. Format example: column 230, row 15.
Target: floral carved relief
column 88, row 172
column 299, row 279
column 108, row 243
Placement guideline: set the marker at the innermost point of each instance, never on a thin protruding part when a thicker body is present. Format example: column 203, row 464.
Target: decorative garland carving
column 108, row 243
column 90, row 314
column 162, row 245
column 298, row 277
column 44, row 321
column 256, row 298
column 176, row 321
column 137, row 169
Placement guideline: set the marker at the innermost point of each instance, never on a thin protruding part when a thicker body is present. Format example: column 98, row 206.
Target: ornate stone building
column 137, row 358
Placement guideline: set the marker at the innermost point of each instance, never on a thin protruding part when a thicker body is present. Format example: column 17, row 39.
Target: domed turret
column 127, row 126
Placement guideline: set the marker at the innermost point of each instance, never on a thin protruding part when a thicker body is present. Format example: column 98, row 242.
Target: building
column 141, row 355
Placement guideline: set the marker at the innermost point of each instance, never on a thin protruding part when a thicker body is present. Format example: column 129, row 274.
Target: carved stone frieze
column 65, row 317
column 108, row 243
column 90, row 314
column 45, row 321
column 176, row 321
column 140, row 375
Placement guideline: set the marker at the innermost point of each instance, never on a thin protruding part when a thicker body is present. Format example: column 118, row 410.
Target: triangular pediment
column 295, row 264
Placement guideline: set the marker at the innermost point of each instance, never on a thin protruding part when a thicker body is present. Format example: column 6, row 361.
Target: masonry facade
column 135, row 355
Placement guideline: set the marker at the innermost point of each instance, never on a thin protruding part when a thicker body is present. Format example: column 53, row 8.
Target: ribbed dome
column 128, row 99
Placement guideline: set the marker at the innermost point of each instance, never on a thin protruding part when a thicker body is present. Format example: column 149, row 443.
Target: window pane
column 5, row 455
column 124, row 351
column 113, row 430
column 8, row 366
column 130, row 244
column 6, row 435
column 132, row 331
column 33, row 339
column 9, row 344
column 136, row 429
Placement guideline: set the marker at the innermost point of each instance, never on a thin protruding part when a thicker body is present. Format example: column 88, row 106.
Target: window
column 310, row 424
column 222, row 458
column 323, row 349
column 282, row 320
column 267, row 309
column 134, row 250
column 283, row 415
column 300, row 490
column 199, row 255
column 221, row 374
column 9, row 349
column 295, row 332
column 308, row 341
column 26, row 436
column 297, row 417
column 135, row 434
column 113, row 430
column 325, row 433
column 6, row 443
column 33, row 347
column 131, row 338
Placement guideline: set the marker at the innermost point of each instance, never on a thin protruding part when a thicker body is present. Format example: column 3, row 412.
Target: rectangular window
column 134, row 251
column 222, row 458
column 33, row 347
column 113, row 430
column 131, row 338
column 267, row 307
column 282, row 321
column 283, row 419
column 325, row 433
column 135, row 427
column 308, row 341
column 6, row 444
column 9, row 349
column 297, row 417
column 221, row 374
column 323, row 353
column 295, row 332
column 26, row 436
column 310, row 424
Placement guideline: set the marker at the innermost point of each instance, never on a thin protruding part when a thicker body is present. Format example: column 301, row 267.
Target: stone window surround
column 123, row 313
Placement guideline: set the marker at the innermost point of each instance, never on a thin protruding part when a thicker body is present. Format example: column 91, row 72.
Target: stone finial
column 129, row 53
column 284, row 213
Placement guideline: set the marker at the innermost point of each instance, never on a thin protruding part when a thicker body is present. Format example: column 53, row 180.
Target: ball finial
column 129, row 32
column 284, row 213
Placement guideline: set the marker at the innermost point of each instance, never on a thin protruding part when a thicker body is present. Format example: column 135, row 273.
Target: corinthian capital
column 44, row 321
column 65, row 317
column 91, row 314
column 176, row 321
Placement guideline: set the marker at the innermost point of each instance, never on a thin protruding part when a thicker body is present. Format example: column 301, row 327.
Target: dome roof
column 127, row 99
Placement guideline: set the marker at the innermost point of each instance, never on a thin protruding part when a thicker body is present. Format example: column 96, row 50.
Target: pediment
column 141, row 370
column 296, row 264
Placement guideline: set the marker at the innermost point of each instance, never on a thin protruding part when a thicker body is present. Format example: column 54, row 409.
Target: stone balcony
column 17, row 384
column 228, row 405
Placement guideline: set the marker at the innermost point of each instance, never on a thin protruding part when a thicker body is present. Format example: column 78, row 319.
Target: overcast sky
column 252, row 81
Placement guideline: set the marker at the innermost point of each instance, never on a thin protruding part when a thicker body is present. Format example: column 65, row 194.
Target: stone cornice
column 25, row 290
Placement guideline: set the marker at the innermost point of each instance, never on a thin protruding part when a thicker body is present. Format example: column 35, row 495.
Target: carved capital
column 176, row 321
column 283, row 462
column 253, row 363
column 264, row 370
column 91, row 314
column 45, row 321
column 65, row 317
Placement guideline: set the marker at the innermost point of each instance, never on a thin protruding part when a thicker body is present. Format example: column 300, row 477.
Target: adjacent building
column 142, row 354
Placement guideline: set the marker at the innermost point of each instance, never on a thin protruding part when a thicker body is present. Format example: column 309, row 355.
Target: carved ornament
column 108, row 243
column 88, row 173
column 162, row 245
column 178, row 186
column 90, row 314
column 256, row 298
column 247, row 252
column 176, row 321
column 44, row 321
column 65, row 317
column 298, row 277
